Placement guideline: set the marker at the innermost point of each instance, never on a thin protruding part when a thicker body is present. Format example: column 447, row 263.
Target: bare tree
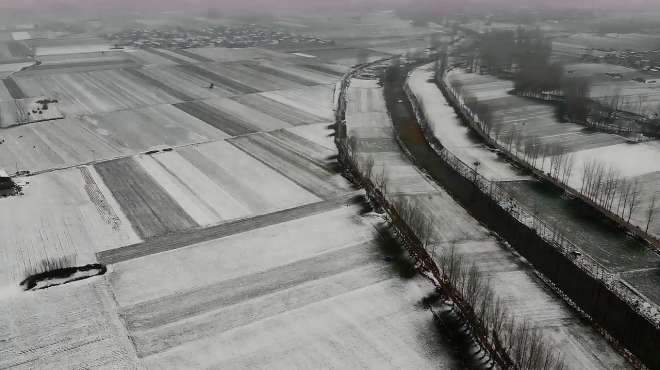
column 634, row 198
column 651, row 211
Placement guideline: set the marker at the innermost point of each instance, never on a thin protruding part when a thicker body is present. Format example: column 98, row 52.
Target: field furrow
column 190, row 55
column 324, row 69
column 260, row 68
column 183, row 239
column 216, row 118
column 170, row 309
column 301, row 170
column 278, row 110
column 235, row 86
column 216, row 198
column 149, row 208
column 13, row 88
column 262, row 307
column 76, row 327
column 158, row 84
column 319, row 154
column 167, row 56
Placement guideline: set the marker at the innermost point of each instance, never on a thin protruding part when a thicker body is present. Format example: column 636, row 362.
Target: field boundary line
column 198, row 235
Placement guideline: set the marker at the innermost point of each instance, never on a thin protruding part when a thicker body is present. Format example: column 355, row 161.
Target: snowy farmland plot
column 367, row 120
column 24, row 111
column 208, row 184
column 260, row 77
column 73, row 326
column 95, row 91
column 20, row 35
column 534, row 119
column 272, row 106
column 79, row 63
column 62, row 213
column 315, row 101
column 347, row 56
column 273, row 295
column 636, row 97
column 616, row 41
column 238, row 54
column 73, row 141
column 71, row 49
column 316, row 176
column 453, row 134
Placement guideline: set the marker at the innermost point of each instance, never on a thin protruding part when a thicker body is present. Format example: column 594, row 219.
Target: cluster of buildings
column 249, row 35
column 648, row 61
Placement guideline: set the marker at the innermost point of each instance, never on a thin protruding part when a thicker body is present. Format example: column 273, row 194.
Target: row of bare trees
column 605, row 185
column 474, row 298
column 527, row 148
column 526, row 346
column 469, row 289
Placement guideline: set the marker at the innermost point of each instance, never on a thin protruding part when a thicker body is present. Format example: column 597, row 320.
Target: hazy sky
column 311, row 4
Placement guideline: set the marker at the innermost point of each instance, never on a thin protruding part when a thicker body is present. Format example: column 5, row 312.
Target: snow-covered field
column 249, row 78
column 452, row 133
column 618, row 41
column 232, row 117
column 291, row 114
column 367, row 119
column 20, row 35
column 95, row 91
column 309, row 293
column 533, row 118
column 72, row 49
column 23, row 111
column 637, row 97
column 302, row 72
column 9, row 68
column 184, row 86
column 72, row 141
column 232, row 55
column 217, row 181
column 78, row 63
column 72, row 326
column 63, row 213
column 303, row 55
column 149, row 59
column 313, row 174
column 316, row 100
column 347, row 56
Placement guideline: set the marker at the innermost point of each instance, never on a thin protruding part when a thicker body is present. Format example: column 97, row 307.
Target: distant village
column 249, row 35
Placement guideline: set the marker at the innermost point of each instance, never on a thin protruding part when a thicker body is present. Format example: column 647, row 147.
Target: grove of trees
column 606, row 186
column 524, row 55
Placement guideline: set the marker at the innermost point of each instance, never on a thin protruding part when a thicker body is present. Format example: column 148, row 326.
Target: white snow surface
column 20, row 35
column 451, row 133
column 72, row 49
column 304, row 55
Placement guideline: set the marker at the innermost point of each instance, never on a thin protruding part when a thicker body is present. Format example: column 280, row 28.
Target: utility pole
column 476, row 166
